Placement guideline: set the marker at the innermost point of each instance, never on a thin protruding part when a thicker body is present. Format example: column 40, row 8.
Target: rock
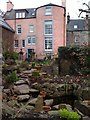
column 46, row 108
column 86, row 93
column 29, row 107
column 55, row 107
column 32, row 101
column 20, row 82
column 8, row 111
column 7, row 91
column 37, row 86
column 66, row 106
column 43, row 73
column 22, row 89
column 39, row 104
column 43, row 116
column 34, row 91
column 53, row 112
column 13, row 103
column 49, row 102
column 28, row 71
column 23, row 97
column 86, row 118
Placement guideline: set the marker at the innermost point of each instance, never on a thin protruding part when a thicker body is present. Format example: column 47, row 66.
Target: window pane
column 20, row 15
column 18, row 29
column 33, row 40
column 16, row 15
column 29, row 40
column 48, row 10
column 48, row 42
column 23, row 43
column 23, row 15
column 48, row 27
column 16, row 43
column 31, row 28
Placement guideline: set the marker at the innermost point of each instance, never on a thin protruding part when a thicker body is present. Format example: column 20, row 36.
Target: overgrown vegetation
column 79, row 59
column 12, row 77
column 10, row 55
column 69, row 115
column 24, row 64
column 35, row 73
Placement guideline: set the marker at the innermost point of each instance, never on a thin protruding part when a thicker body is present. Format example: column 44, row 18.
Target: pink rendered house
column 41, row 29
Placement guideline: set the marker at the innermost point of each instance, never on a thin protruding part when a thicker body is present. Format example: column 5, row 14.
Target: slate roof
column 76, row 25
column 5, row 25
column 30, row 12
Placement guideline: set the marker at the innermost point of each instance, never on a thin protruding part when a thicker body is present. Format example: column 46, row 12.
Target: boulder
column 66, row 106
column 23, row 98
column 55, row 107
column 39, row 104
column 32, row 101
column 49, row 102
column 53, row 112
column 20, row 82
column 22, row 89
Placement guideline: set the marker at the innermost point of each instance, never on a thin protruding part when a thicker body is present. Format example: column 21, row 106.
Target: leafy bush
column 79, row 57
column 14, row 55
column 12, row 77
column 73, row 116
column 63, row 113
column 35, row 73
column 33, row 64
column 24, row 64
column 10, row 55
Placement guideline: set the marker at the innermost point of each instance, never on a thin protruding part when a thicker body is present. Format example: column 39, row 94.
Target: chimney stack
column 9, row 5
column 64, row 3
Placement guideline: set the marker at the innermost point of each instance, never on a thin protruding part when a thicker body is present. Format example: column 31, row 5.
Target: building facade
column 41, row 30
column 6, row 37
column 77, row 33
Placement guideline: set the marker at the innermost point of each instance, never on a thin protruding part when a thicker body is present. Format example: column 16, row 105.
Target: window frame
column 31, row 25
column 48, row 11
column 48, row 43
column 46, row 23
column 31, row 40
column 17, row 29
column 16, row 45
column 23, row 45
column 20, row 14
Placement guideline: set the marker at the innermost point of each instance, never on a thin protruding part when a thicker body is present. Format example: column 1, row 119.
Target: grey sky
column 72, row 6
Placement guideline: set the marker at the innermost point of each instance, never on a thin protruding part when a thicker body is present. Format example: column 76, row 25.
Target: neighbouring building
column 77, row 32
column 6, row 36
column 41, row 30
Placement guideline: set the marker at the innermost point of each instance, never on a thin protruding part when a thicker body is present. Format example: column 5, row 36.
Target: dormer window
column 75, row 26
column 20, row 15
column 48, row 10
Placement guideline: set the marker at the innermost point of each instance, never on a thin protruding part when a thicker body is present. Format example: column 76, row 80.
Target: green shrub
column 35, row 73
column 12, row 77
column 24, row 64
column 14, row 55
column 33, row 64
column 63, row 113
column 10, row 55
column 73, row 116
